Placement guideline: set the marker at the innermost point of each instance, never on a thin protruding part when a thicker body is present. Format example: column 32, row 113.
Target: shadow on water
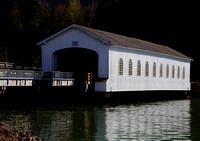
column 65, row 95
column 195, row 119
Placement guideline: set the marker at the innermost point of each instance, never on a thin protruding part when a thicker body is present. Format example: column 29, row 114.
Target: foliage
column 26, row 22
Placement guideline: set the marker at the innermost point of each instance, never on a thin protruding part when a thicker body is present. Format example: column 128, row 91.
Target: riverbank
column 9, row 134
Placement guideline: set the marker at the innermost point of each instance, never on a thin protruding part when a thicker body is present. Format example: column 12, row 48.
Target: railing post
column 8, row 77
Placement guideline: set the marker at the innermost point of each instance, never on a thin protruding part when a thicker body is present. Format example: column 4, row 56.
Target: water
column 161, row 120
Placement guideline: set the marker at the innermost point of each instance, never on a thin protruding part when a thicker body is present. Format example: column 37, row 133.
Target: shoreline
column 8, row 133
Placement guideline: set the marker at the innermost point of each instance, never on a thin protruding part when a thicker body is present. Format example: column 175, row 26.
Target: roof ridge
column 110, row 38
column 127, row 37
column 139, row 43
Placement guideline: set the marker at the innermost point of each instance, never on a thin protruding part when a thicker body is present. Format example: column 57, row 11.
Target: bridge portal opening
column 83, row 62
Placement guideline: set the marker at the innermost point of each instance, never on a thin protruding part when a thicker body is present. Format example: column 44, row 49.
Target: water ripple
column 154, row 121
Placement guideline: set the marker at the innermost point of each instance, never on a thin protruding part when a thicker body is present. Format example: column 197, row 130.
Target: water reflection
column 151, row 121
column 166, row 120
column 195, row 120
column 67, row 123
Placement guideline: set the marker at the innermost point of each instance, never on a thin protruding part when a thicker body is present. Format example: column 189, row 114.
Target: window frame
column 183, row 75
column 173, row 71
column 130, row 67
column 147, row 69
column 154, row 69
column 121, row 67
column 178, row 72
column 138, row 68
column 161, row 70
column 167, row 71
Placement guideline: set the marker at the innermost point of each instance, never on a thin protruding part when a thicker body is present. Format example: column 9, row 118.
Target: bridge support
column 2, row 89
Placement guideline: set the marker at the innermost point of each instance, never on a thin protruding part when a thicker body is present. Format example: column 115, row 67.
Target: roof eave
column 43, row 42
column 93, row 35
column 55, row 35
column 182, row 58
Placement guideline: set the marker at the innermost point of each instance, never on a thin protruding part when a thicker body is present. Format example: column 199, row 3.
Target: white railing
column 19, row 74
column 11, row 77
column 63, row 78
column 58, row 74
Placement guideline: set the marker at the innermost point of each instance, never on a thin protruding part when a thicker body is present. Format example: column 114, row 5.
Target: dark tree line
column 23, row 23
column 26, row 22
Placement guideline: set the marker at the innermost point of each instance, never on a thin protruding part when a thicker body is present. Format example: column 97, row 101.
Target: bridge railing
column 10, row 73
column 58, row 74
column 27, row 74
column 63, row 78
column 11, row 77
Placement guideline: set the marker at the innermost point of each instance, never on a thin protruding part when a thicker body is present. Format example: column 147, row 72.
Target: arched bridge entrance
column 83, row 62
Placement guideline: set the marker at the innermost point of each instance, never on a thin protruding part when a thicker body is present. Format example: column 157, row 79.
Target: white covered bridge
column 110, row 62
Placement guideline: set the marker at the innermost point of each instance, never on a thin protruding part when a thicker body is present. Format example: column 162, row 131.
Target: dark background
column 174, row 24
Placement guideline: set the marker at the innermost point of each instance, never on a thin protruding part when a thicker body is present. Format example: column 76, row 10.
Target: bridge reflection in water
column 151, row 121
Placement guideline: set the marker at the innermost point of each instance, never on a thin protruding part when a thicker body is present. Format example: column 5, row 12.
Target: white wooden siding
column 65, row 41
column 125, row 82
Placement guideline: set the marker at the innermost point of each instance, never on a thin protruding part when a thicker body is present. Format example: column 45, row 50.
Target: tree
column 25, row 22
column 58, row 14
column 74, row 11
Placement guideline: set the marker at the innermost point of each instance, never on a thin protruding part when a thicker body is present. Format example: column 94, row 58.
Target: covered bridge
column 111, row 62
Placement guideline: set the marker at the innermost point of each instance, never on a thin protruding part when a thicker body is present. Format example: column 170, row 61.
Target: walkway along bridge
column 16, row 78
column 56, row 86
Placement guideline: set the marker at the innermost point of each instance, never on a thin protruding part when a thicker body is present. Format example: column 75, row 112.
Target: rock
column 9, row 134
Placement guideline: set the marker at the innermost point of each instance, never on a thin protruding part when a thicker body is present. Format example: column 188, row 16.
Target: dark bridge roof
column 134, row 43
column 124, row 41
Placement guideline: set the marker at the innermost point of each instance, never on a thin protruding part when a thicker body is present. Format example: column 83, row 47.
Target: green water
column 161, row 120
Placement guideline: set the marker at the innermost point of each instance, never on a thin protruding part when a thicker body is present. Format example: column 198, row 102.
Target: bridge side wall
column 126, row 82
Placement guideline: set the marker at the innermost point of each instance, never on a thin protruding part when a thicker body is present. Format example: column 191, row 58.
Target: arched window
column 167, row 71
column 173, row 71
column 178, row 73
column 183, row 73
column 130, row 64
column 154, row 69
column 161, row 70
column 138, row 68
column 120, row 66
column 147, row 68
